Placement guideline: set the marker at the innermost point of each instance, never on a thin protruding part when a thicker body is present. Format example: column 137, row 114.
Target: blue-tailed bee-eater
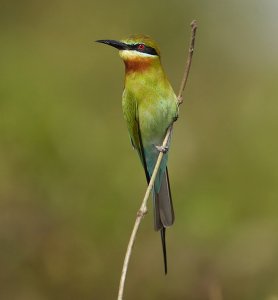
column 150, row 106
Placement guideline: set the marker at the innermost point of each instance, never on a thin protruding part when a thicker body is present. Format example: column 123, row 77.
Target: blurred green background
column 70, row 184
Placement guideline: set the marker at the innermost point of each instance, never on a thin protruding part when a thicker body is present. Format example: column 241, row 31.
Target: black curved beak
column 116, row 44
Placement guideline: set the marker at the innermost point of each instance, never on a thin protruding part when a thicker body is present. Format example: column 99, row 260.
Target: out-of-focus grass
column 70, row 184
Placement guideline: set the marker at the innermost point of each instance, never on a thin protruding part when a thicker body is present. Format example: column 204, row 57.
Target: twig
column 189, row 60
column 143, row 209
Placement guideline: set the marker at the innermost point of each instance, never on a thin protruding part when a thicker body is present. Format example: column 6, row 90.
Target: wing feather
column 131, row 114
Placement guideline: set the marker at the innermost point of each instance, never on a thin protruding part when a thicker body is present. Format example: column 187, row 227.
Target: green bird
column 150, row 106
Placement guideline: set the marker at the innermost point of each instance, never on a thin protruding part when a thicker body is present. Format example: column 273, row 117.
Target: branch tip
column 194, row 25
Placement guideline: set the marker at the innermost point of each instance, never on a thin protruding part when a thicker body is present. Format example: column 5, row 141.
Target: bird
column 150, row 107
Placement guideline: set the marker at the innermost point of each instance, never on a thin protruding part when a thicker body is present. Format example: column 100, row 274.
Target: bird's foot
column 175, row 118
column 162, row 149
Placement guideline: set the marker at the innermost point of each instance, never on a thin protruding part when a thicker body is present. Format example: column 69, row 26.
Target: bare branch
column 143, row 209
column 189, row 60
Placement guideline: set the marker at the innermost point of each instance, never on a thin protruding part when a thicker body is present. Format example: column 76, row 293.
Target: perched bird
column 150, row 106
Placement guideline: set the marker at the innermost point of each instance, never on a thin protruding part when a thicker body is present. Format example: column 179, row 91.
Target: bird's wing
column 130, row 110
column 142, row 152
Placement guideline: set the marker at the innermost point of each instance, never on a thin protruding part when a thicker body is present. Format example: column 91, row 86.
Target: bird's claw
column 175, row 118
column 162, row 149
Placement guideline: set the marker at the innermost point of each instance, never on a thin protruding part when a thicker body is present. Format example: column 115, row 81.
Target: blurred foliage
column 70, row 184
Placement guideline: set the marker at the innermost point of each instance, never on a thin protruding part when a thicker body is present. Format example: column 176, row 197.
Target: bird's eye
column 141, row 47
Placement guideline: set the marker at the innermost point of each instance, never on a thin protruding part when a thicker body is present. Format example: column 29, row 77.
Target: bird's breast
column 154, row 119
column 151, row 103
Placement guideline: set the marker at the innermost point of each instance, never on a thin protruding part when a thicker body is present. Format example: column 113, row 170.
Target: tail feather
column 166, row 210
column 163, row 212
column 163, row 241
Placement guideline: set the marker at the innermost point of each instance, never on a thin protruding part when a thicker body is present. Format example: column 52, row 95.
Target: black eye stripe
column 147, row 49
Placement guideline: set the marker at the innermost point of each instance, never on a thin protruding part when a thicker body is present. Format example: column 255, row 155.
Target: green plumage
column 149, row 107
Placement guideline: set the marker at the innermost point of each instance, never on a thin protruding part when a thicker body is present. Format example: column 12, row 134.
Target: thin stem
column 143, row 208
column 189, row 60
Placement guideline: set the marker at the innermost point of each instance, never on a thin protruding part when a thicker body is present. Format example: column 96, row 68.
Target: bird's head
column 138, row 51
